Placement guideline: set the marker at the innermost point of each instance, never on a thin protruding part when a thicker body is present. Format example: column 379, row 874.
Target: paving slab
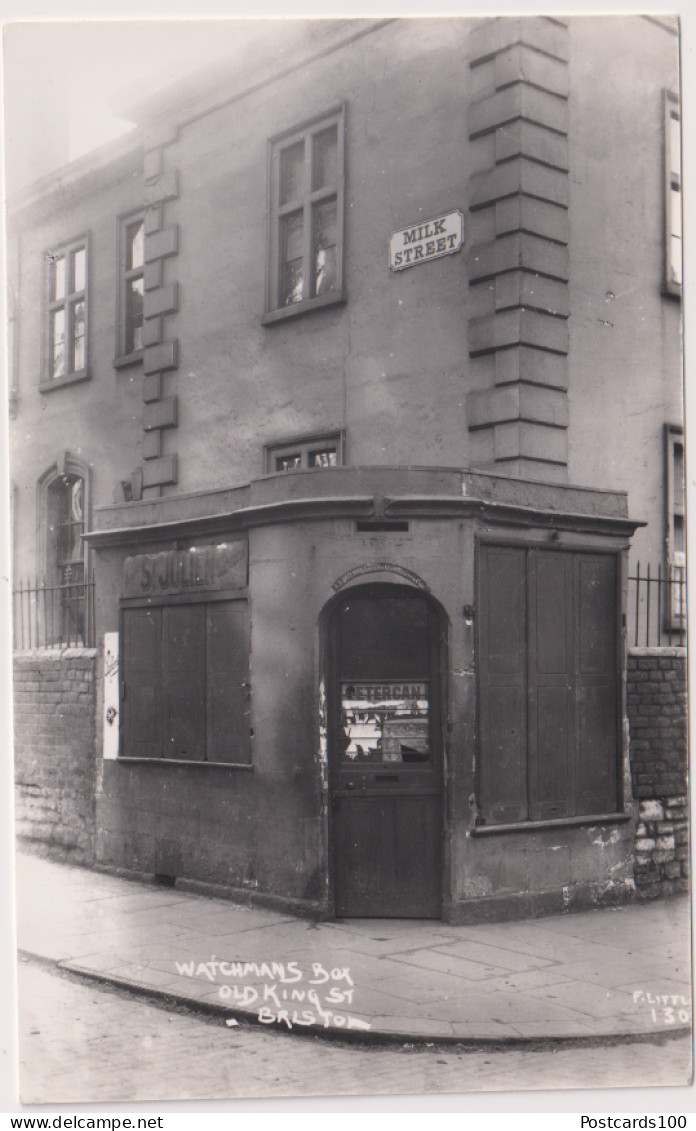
column 573, row 976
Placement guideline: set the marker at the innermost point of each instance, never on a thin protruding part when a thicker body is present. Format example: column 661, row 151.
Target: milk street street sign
column 444, row 235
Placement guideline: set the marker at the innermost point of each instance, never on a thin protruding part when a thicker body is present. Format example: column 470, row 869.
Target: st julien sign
column 429, row 240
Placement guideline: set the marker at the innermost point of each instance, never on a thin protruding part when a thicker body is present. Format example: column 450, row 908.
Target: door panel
column 142, row 651
column 387, row 856
column 597, row 684
column 551, row 685
column 385, row 754
column 503, row 682
column 228, row 698
column 597, row 784
column 184, row 682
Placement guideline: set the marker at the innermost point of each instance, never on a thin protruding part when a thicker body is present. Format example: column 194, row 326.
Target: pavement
column 607, row 973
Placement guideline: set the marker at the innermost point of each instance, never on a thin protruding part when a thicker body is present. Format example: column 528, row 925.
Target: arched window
column 63, row 506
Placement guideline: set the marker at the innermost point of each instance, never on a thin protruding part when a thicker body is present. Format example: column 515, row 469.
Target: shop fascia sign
column 431, row 239
column 171, row 572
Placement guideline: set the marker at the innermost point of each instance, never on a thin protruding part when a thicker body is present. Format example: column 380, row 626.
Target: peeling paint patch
column 611, row 838
column 323, row 738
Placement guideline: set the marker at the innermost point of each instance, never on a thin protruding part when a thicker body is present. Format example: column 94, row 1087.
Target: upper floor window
column 131, row 288
column 673, row 196
column 676, row 533
column 66, row 359
column 305, row 453
column 305, row 238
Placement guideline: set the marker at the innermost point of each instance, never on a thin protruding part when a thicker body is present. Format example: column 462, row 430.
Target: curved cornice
column 362, row 506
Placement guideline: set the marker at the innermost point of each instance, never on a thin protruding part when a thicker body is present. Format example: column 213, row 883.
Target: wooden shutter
column 548, row 684
column 142, row 663
column 551, row 685
column 184, row 679
column 227, row 693
column 185, row 674
column 502, row 683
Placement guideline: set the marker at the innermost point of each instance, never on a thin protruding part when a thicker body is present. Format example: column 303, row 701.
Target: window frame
column 65, row 467
column 123, row 356
column 303, row 446
column 674, row 507
column 64, row 250
column 672, row 183
column 305, row 131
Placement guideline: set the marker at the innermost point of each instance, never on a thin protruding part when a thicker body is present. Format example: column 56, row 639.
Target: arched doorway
column 385, row 752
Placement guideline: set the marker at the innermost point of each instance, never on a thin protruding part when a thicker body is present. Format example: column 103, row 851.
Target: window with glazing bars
column 305, row 267
column 673, row 196
column 306, row 452
column 132, row 289
column 676, row 533
column 67, row 313
column 65, row 514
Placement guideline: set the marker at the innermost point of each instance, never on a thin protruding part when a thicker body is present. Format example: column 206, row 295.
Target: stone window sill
column 125, row 359
column 556, row 823
column 297, row 308
column 60, row 382
column 183, row 762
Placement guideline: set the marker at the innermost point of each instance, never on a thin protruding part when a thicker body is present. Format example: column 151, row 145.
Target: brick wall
column 656, row 687
column 54, row 725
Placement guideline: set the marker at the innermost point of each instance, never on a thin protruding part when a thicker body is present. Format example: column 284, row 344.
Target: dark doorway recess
column 385, row 752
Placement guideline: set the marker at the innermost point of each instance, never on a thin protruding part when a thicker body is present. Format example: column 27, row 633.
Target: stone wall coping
column 43, row 654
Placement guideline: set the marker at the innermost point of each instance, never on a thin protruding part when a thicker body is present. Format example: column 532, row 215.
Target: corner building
column 352, row 379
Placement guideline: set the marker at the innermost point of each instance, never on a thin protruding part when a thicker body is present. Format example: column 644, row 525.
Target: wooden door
column 385, row 755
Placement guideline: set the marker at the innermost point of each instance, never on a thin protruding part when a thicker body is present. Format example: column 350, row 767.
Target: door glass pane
column 288, row 463
column 325, row 238
column 58, row 343
column 383, row 639
column 675, row 249
column 324, row 458
column 385, row 722
column 384, row 686
column 325, row 151
column 135, row 242
column 78, row 336
column 678, row 458
column 292, row 172
column 134, row 319
column 79, row 263
column 291, row 267
column 674, row 147
column 58, row 279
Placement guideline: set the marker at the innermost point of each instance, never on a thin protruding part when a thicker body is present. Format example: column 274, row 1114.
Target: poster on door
column 385, row 721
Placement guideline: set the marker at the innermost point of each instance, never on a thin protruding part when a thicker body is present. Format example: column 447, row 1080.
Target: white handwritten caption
column 665, row 1008
column 276, row 992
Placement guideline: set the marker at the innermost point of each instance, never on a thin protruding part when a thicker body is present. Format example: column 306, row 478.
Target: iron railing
column 657, row 607
column 59, row 615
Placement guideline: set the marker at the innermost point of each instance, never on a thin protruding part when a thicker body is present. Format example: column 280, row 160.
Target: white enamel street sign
column 444, row 235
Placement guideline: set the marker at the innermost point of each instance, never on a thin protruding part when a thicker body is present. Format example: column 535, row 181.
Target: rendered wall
column 625, row 380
